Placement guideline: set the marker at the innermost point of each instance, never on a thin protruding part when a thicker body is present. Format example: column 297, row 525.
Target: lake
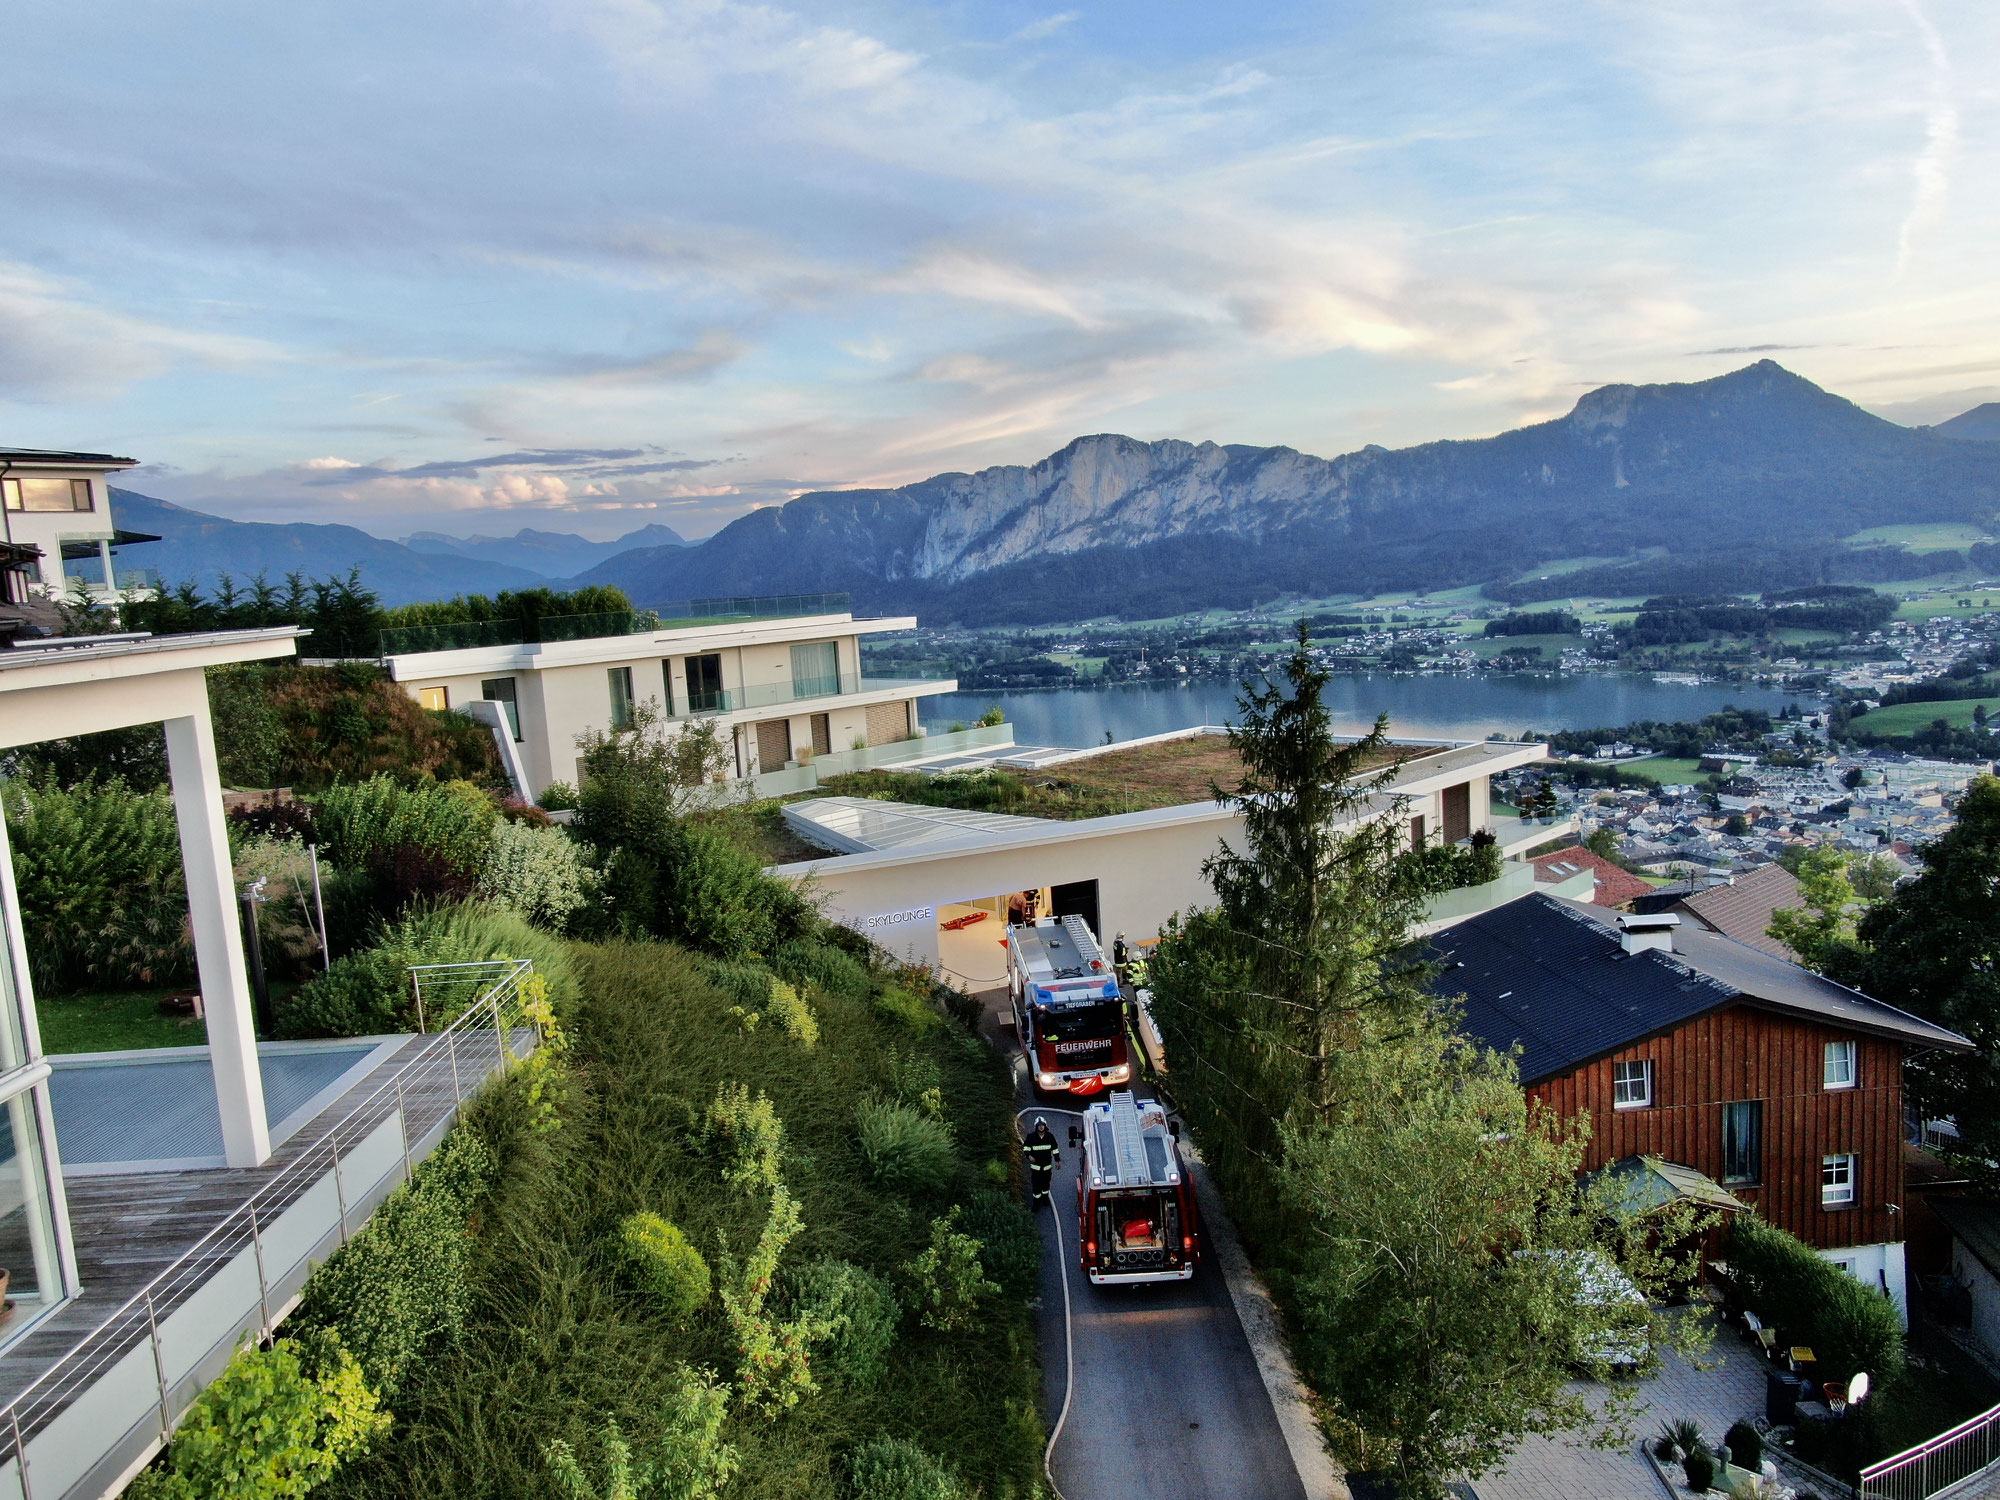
column 1439, row 707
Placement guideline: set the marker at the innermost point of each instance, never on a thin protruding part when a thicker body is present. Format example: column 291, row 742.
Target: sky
column 588, row 265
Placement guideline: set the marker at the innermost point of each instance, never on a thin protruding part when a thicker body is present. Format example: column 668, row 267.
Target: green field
column 1933, row 536
column 116, row 1022
column 1665, row 770
column 1908, row 718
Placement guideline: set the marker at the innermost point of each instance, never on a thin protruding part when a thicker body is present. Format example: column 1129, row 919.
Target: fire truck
column 1068, row 1011
column 1136, row 1213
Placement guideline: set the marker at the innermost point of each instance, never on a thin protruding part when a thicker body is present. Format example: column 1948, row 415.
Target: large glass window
column 27, row 1244
column 704, row 680
column 1840, row 1065
column 1743, row 1141
column 815, row 668
column 500, row 690
column 46, row 494
column 621, row 697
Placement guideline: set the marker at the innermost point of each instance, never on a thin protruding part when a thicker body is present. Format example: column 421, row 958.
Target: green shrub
column 1010, row 1246
column 539, row 873
column 947, row 1278
column 912, row 1012
column 1700, row 1470
column 1850, row 1327
column 557, row 796
column 400, row 1286
column 750, row 1128
column 660, row 1261
column 274, row 1424
column 896, row 1469
column 906, row 1151
column 788, row 1008
column 358, row 822
column 859, row 1313
column 370, row 992
column 807, row 961
column 746, row 983
column 103, row 897
column 1746, row 1447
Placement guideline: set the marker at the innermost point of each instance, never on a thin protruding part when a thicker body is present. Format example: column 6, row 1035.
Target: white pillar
column 104, row 556
column 218, row 940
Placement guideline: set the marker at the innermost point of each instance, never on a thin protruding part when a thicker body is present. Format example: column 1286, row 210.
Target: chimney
column 1638, row 932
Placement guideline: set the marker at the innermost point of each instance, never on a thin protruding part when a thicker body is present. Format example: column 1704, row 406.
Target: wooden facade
column 1743, row 1053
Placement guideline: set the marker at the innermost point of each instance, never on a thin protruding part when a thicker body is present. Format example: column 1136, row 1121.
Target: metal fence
column 401, row 640
column 108, row 1402
column 1933, row 1467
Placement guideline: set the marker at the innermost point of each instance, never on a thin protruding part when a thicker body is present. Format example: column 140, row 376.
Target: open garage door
column 1078, row 899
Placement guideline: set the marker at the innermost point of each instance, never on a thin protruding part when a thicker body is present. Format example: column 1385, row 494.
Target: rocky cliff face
column 1757, row 457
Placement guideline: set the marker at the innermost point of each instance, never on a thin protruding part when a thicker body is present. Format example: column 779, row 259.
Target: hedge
column 1789, row 1285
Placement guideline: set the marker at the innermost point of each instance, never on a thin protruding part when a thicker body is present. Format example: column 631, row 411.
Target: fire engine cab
column 1068, row 1011
column 1136, row 1214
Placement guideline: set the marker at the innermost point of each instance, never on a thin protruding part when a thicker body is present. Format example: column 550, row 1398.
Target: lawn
column 760, row 828
column 1665, row 770
column 117, row 1022
column 1908, row 718
column 1930, row 536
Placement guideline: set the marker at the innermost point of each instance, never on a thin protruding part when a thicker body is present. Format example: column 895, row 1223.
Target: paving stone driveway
column 1551, row 1469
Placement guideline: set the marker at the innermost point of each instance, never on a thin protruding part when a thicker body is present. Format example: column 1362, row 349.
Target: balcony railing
column 116, row 1394
column 774, row 694
column 1942, row 1463
column 405, row 640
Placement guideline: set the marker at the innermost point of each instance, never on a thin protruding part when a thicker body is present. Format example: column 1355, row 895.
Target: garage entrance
column 972, row 935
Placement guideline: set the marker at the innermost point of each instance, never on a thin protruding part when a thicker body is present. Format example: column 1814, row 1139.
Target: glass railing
column 402, row 640
column 772, row 694
column 684, row 612
column 459, row 635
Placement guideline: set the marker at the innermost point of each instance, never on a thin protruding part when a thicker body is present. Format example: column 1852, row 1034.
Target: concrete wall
column 48, row 528
column 1985, row 1298
column 1880, row 1266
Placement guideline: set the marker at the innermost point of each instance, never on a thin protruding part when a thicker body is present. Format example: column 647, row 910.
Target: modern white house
column 158, row 1206
column 934, row 884
column 781, row 677
column 55, row 524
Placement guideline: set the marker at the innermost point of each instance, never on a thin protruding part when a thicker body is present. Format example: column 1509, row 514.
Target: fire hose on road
column 1069, row 1334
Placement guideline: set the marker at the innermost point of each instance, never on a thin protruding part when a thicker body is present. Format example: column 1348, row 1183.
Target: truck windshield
column 1083, row 1023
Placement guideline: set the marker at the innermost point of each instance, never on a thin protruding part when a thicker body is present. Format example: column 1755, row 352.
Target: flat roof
column 861, row 825
column 65, row 650
column 668, row 640
column 60, row 458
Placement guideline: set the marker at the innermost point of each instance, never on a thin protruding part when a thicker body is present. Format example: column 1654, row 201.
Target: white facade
column 780, row 689
column 1144, row 866
column 1880, row 1266
column 48, row 499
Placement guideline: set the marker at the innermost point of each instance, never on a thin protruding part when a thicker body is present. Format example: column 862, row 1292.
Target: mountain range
column 552, row 554
column 1748, row 480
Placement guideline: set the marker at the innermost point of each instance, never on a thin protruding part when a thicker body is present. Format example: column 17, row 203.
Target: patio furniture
column 1764, row 1338
column 1801, row 1358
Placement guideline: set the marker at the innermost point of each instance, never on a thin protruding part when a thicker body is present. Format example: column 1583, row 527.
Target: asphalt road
column 1168, row 1399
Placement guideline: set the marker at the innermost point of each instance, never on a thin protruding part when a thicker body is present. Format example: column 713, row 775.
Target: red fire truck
column 1136, row 1213
column 1068, row 1011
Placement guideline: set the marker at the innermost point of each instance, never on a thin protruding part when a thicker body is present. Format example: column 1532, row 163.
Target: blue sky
column 592, row 264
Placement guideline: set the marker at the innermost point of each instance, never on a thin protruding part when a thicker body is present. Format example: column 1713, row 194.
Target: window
column 815, row 669
column 434, row 697
column 621, row 697
column 704, row 680
column 1836, row 1180
column 667, row 687
column 46, row 494
column 500, row 690
column 1632, row 1084
column 1840, row 1065
column 1742, row 1141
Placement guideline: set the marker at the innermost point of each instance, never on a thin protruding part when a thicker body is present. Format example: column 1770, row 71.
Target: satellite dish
column 1857, row 1388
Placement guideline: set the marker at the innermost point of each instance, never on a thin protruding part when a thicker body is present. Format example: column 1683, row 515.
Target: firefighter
column 1039, row 1151
column 1121, row 953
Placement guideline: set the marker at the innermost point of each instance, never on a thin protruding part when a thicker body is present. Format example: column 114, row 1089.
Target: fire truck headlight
column 1049, row 1080
column 1120, row 1074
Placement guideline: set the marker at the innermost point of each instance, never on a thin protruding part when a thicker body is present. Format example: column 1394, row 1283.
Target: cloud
column 1932, row 169
column 1048, row 26
column 1749, row 349
column 59, row 345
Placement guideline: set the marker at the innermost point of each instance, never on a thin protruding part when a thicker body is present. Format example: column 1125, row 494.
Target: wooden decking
column 128, row 1229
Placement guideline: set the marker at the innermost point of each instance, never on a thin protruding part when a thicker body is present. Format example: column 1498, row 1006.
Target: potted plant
column 1700, row 1471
